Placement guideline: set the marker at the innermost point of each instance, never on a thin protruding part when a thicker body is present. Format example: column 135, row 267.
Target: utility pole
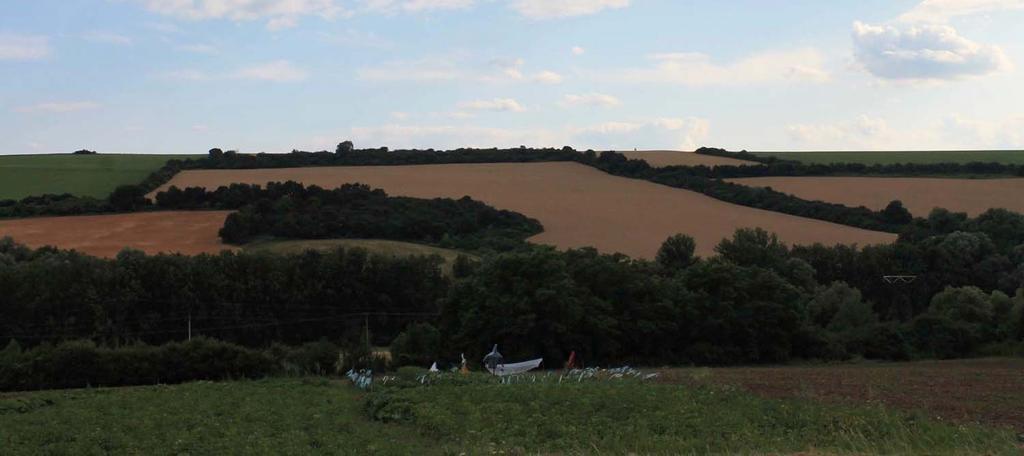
column 189, row 325
column 367, row 323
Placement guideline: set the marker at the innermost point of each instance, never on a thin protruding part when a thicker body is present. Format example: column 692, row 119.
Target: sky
column 182, row 76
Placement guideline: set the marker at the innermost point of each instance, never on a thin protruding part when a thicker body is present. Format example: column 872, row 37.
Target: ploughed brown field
column 105, row 235
column 919, row 194
column 578, row 205
column 987, row 391
column 659, row 158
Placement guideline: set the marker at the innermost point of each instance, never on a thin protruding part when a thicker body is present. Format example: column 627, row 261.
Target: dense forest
column 756, row 301
column 290, row 210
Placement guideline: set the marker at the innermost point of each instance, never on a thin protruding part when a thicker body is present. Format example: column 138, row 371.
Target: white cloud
column 277, row 71
column 1007, row 133
column 442, row 137
column 422, row 70
column 923, row 52
column 99, row 36
column 187, row 75
column 666, row 133
column 414, row 6
column 59, row 107
column 282, row 23
column 355, row 38
column 865, row 131
column 551, row 9
column 590, row 99
column 456, row 68
column 872, row 133
column 941, row 11
column 497, row 104
column 695, row 69
column 278, row 13
column 199, row 48
column 164, row 27
column 547, row 77
column 23, row 47
column 576, row 50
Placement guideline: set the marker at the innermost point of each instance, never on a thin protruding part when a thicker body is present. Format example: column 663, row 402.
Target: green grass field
column 1015, row 157
column 374, row 246
column 320, row 416
column 81, row 175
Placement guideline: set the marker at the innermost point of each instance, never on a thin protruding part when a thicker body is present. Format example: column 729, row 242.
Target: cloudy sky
column 273, row 75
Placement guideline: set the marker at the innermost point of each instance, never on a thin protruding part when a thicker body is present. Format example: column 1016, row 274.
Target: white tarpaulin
column 516, row 368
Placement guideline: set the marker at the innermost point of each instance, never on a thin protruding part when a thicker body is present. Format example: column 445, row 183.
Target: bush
column 419, row 345
column 936, row 336
column 77, row 364
column 313, row 358
column 884, row 341
column 128, row 198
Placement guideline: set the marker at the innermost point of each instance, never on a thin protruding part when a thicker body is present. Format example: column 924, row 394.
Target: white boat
column 495, row 364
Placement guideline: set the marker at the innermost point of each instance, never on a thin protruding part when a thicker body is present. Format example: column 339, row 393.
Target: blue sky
column 181, row 76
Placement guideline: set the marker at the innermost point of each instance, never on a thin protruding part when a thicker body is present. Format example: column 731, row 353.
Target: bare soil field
column 986, row 391
column 184, row 232
column 919, row 195
column 579, row 206
column 660, row 158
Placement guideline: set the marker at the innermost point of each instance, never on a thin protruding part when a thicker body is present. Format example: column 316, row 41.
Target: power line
column 331, row 318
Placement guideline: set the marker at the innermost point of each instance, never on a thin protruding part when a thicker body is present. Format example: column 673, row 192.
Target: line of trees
column 894, row 218
column 250, row 299
column 82, row 363
column 774, row 166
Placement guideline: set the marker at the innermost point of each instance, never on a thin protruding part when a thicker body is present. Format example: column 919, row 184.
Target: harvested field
column 189, row 233
column 579, row 206
column 986, row 391
column 919, row 195
column 659, row 158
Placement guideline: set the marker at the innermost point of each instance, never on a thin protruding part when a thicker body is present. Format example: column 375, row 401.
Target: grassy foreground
column 1014, row 157
column 80, row 175
column 310, row 416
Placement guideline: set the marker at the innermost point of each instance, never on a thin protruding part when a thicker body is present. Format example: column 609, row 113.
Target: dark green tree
column 677, row 252
column 344, row 147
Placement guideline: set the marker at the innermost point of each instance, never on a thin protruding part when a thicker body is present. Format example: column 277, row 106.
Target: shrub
column 940, row 337
column 313, row 358
column 885, row 341
column 76, row 364
column 418, row 345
